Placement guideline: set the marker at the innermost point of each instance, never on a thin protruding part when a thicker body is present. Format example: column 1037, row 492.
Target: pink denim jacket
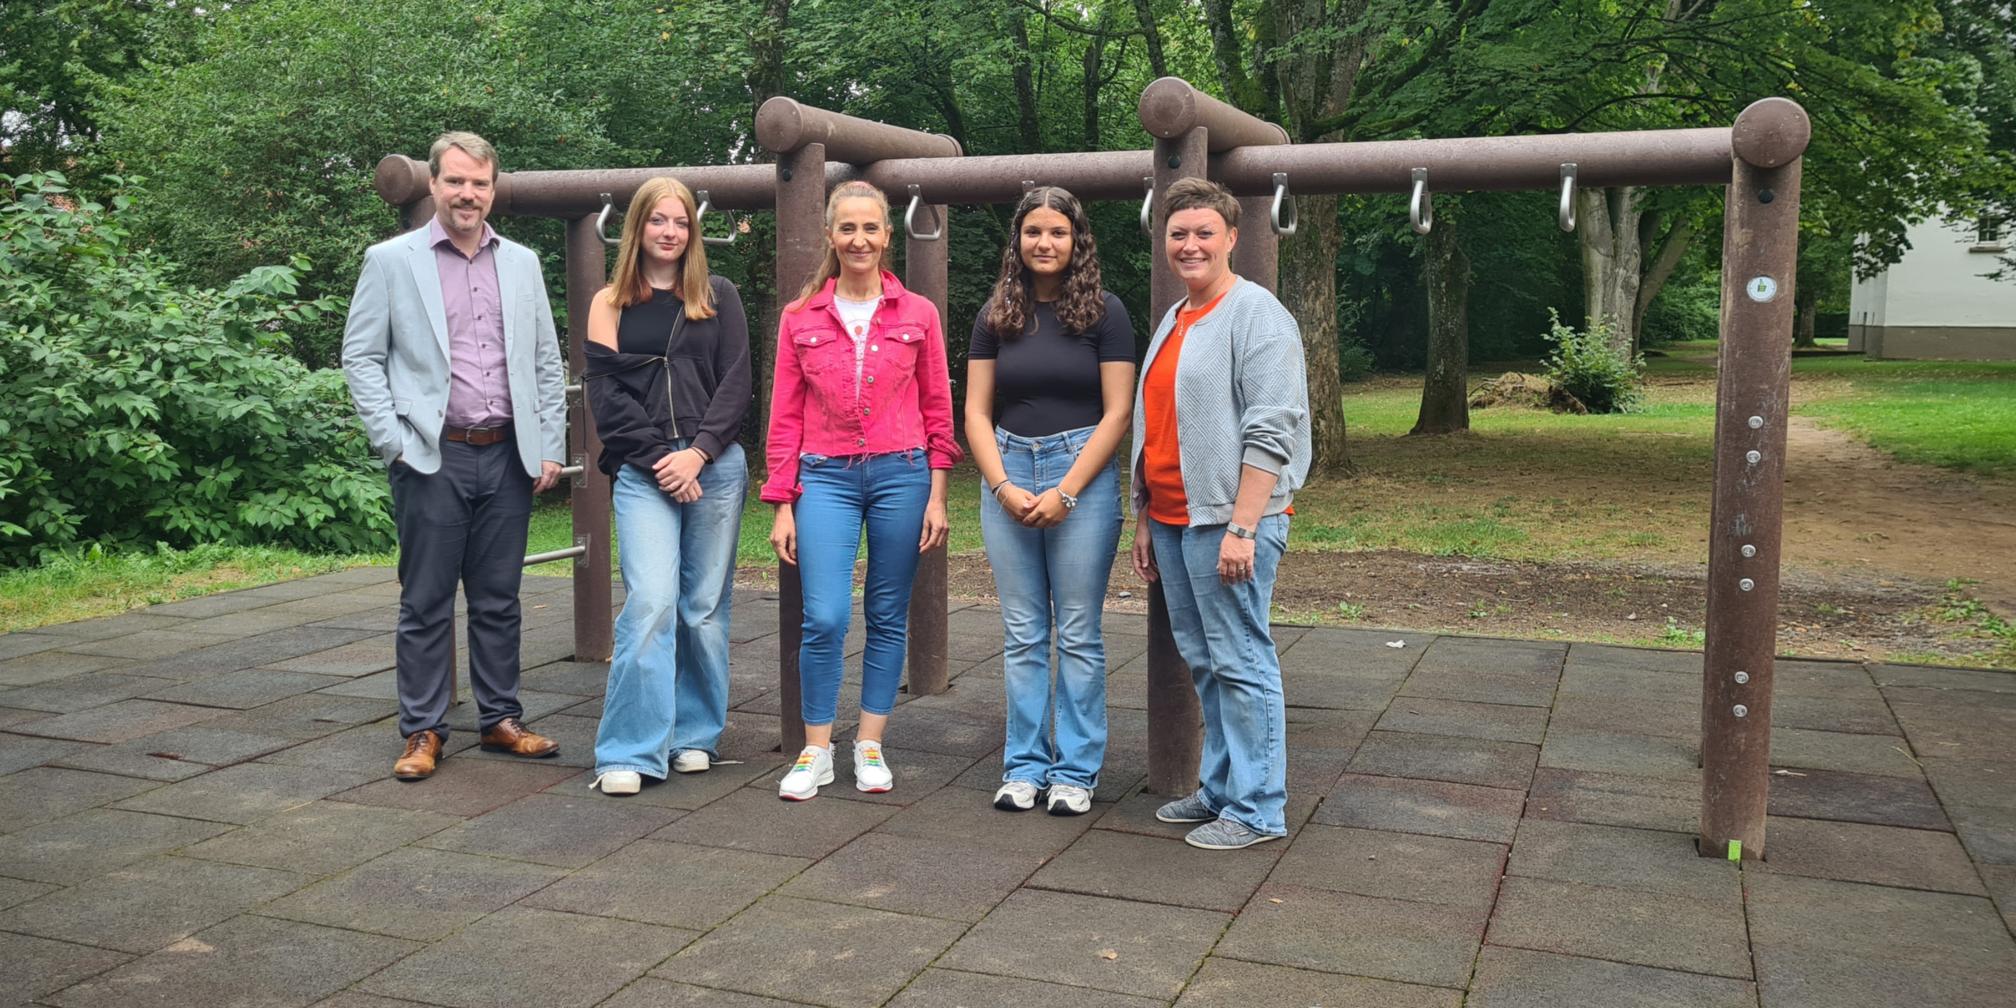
column 905, row 395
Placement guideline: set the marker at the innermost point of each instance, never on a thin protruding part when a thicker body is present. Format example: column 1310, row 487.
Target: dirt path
column 1870, row 543
column 1852, row 509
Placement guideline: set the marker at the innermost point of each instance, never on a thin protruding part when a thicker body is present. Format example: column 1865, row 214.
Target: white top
column 855, row 316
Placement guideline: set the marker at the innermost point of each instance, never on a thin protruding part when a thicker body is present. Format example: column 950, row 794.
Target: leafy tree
column 56, row 59
column 141, row 411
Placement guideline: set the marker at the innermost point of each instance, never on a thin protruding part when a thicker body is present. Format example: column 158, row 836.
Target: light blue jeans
column 1053, row 579
column 668, row 679
column 1222, row 633
column 885, row 495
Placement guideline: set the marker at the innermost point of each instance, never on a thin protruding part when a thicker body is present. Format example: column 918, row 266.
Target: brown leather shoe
column 423, row 750
column 511, row 736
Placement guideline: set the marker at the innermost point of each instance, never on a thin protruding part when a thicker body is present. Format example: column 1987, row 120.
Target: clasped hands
column 1044, row 510
column 678, row 474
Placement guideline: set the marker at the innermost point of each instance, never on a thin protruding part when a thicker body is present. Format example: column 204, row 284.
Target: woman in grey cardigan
column 1221, row 444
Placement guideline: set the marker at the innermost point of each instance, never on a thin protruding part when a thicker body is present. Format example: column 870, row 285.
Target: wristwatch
column 1069, row 501
column 1234, row 528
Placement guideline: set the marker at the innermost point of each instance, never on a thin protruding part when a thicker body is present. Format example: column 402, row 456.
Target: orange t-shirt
column 1161, row 460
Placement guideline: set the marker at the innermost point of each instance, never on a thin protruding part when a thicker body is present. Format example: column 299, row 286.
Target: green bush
column 140, row 412
column 1354, row 360
column 1683, row 312
column 1604, row 377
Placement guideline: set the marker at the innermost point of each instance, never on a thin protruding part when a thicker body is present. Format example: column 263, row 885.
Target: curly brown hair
column 1081, row 303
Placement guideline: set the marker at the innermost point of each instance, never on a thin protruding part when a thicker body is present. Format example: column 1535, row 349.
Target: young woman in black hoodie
column 668, row 383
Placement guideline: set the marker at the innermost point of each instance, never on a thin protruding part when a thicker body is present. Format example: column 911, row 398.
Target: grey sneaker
column 1069, row 799
column 1191, row 809
column 1225, row 834
column 1016, row 796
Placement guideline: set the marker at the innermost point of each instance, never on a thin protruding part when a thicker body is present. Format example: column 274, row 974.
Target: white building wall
column 1934, row 302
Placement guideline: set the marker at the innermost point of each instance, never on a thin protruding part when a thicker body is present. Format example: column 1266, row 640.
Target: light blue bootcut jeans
column 668, row 678
column 1221, row 631
column 884, row 495
column 1049, row 580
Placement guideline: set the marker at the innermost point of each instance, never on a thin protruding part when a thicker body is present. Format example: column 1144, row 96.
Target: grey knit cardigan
column 1242, row 396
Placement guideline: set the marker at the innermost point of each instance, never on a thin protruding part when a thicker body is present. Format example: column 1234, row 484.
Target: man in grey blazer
column 453, row 364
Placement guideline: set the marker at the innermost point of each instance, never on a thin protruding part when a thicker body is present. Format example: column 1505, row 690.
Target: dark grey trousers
column 465, row 523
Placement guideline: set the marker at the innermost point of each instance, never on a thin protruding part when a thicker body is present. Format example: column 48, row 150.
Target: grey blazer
column 395, row 353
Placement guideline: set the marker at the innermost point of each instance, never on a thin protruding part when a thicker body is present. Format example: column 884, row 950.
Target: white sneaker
column 618, row 782
column 802, row 781
column 1015, row 796
column 871, row 774
column 692, row 761
column 1070, row 799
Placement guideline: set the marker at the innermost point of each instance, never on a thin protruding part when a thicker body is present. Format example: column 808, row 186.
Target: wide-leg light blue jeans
column 885, row 496
column 1053, row 580
column 668, row 678
column 1222, row 633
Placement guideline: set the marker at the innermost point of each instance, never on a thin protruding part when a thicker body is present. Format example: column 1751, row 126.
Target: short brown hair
column 469, row 143
column 1200, row 194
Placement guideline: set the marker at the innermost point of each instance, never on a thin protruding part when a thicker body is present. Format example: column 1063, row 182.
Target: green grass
column 1520, row 484
column 1959, row 416
column 96, row 583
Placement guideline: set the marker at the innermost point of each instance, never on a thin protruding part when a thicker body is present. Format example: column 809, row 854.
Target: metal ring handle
column 910, row 218
column 700, row 218
column 602, row 221
column 1148, row 206
column 1282, row 199
column 1567, row 211
column 1420, row 210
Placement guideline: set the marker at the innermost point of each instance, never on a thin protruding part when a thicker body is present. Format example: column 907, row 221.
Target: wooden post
column 801, row 209
column 1760, row 247
column 1175, row 720
column 587, row 272
column 926, row 268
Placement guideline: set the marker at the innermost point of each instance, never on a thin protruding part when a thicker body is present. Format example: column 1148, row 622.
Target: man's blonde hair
column 469, row 143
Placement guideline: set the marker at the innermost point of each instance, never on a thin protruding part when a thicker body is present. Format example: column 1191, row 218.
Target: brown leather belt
column 477, row 436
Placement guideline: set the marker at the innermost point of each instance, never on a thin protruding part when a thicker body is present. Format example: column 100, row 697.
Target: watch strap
column 1234, row 528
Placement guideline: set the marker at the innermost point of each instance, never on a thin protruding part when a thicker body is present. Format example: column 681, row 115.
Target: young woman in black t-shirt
column 1049, row 393
column 668, row 383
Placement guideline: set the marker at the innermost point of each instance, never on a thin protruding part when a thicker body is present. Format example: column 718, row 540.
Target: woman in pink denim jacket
column 860, row 439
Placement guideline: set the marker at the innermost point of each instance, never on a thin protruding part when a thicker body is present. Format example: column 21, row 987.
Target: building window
column 1990, row 235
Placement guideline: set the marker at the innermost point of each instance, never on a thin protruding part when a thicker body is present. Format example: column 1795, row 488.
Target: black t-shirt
column 1047, row 380
column 644, row 327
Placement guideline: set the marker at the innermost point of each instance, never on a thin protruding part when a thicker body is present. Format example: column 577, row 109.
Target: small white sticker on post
column 1761, row 289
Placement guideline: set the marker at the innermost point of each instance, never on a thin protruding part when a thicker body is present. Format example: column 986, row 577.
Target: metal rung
column 560, row 554
column 573, row 470
column 574, row 389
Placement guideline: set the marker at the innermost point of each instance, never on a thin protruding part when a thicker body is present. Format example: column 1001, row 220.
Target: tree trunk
column 1025, row 88
column 1095, row 54
column 766, row 81
column 1308, row 286
column 1672, row 248
column 1445, row 391
column 1144, row 12
column 1807, row 316
column 1607, row 220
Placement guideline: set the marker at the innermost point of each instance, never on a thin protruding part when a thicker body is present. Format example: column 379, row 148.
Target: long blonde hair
column 627, row 285
column 829, row 265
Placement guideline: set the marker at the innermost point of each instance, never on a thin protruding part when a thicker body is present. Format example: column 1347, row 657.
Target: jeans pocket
column 810, row 460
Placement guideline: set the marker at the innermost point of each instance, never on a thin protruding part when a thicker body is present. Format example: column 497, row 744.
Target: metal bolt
column 1749, row 550
column 1753, row 457
column 1756, row 422
column 784, row 172
column 1175, row 161
column 1742, row 677
column 1746, row 584
column 1766, row 195
column 1741, row 711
